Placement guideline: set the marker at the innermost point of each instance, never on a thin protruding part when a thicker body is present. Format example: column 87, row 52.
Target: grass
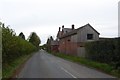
column 0, row 74
column 8, row 70
column 92, row 64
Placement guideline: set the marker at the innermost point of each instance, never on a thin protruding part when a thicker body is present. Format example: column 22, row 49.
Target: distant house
column 54, row 46
column 71, row 40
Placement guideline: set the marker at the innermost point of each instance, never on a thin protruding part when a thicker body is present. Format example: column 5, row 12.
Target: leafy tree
column 0, row 24
column 34, row 39
column 13, row 47
column 3, row 25
column 21, row 35
column 44, row 46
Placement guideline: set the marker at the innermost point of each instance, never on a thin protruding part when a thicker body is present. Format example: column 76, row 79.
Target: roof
column 67, row 29
column 59, row 33
column 69, row 33
column 89, row 26
column 73, row 32
column 54, row 43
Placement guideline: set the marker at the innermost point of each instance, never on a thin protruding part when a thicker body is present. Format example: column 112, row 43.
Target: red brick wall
column 73, row 50
column 68, row 47
column 62, row 48
column 54, row 48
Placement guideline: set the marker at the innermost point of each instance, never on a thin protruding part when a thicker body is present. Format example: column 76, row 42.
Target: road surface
column 44, row 65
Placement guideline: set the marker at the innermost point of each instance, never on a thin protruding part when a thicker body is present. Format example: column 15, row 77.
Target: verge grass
column 89, row 63
column 9, row 69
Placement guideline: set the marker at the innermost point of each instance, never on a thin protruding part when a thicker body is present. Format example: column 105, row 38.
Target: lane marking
column 68, row 72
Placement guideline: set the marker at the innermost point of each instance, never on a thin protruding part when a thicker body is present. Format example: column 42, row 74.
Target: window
column 68, row 40
column 89, row 36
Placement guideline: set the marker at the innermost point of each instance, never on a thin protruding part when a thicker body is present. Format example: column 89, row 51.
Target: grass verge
column 92, row 64
column 8, row 70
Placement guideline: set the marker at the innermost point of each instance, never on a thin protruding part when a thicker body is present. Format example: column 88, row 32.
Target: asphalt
column 44, row 65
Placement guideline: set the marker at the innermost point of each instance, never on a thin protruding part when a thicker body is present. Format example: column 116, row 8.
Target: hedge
column 14, row 47
column 104, row 51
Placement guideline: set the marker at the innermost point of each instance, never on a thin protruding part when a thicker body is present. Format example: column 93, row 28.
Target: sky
column 46, row 16
column 119, row 18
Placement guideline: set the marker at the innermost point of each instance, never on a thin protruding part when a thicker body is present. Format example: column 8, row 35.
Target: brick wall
column 54, row 48
column 68, row 47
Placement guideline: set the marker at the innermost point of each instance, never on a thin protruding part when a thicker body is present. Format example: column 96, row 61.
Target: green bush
column 105, row 51
column 13, row 46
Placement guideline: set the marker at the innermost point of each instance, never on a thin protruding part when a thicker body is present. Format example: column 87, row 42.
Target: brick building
column 54, row 46
column 71, row 40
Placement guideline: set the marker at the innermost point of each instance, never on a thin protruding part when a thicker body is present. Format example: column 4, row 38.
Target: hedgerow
column 13, row 46
column 105, row 51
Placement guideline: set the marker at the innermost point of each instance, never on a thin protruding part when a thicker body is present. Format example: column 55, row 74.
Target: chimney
column 59, row 29
column 62, row 26
column 72, row 26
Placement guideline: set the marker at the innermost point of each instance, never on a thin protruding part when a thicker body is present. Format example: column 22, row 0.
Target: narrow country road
column 44, row 65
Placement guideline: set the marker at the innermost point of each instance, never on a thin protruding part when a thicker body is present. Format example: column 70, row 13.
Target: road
column 44, row 65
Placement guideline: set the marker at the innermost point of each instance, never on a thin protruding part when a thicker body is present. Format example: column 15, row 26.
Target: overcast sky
column 45, row 16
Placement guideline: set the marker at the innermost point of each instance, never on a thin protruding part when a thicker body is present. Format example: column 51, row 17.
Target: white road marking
column 68, row 72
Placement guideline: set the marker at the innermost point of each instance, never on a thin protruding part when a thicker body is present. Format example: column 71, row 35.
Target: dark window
column 68, row 40
column 89, row 36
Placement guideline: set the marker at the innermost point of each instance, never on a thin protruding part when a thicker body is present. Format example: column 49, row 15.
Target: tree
column 0, row 24
column 3, row 25
column 21, row 35
column 12, row 48
column 34, row 39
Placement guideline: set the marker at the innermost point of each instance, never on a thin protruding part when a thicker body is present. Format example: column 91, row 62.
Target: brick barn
column 54, row 46
column 71, row 40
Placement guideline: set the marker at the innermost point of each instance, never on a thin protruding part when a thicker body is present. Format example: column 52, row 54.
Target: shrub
column 105, row 51
column 13, row 46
